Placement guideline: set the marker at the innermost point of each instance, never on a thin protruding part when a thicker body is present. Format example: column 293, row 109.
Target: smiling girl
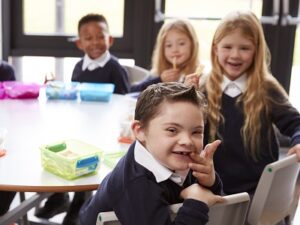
column 175, row 55
column 245, row 103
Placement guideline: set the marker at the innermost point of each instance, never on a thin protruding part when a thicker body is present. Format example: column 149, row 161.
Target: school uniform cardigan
column 238, row 171
column 6, row 72
column 112, row 72
column 137, row 199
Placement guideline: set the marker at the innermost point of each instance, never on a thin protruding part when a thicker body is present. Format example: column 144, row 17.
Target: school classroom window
column 206, row 17
column 62, row 15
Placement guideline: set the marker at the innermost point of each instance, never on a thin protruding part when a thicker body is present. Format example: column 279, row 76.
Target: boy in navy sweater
column 164, row 165
column 98, row 65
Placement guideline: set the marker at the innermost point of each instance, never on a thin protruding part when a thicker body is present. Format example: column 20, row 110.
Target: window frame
column 276, row 35
column 58, row 45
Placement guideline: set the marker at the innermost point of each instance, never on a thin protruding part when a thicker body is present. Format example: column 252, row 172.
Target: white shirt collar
column 240, row 82
column 160, row 172
column 92, row 64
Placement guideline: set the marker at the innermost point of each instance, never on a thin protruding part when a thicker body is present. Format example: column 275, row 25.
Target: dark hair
column 149, row 101
column 92, row 17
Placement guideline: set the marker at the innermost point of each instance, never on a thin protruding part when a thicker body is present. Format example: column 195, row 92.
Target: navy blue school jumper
column 6, row 72
column 238, row 171
column 112, row 72
column 137, row 199
column 145, row 83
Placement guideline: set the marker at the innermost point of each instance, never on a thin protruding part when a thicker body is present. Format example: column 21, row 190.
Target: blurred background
column 37, row 36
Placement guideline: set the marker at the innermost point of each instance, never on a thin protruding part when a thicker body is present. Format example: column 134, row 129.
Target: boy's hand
column 192, row 80
column 197, row 192
column 295, row 150
column 203, row 165
column 170, row 75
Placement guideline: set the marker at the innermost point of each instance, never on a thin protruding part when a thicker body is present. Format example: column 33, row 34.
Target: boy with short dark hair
column 98, row 65
column 164, row 165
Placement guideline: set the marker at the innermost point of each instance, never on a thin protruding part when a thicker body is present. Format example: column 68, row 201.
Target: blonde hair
column 159, row 61
column 255, row 100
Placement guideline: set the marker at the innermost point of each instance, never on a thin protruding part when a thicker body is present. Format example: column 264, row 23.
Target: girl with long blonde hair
column 245, row 102
column 176, row 54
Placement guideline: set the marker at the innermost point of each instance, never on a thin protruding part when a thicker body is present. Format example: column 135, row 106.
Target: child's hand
column 197, row 192
column 295, row 150
column 192, row 80
column 203, row 165
column 170, row 75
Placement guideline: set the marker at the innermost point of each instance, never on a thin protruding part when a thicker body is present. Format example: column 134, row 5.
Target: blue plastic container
column 96, row 91
column 62, row 90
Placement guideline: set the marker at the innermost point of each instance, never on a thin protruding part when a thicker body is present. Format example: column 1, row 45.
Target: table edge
column 74, row 188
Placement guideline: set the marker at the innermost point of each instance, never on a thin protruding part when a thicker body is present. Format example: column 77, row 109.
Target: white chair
column 232, row 212
column 136, row 74
column 275, row 193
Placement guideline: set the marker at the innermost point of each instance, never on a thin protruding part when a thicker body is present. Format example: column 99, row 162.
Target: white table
column 32, row 123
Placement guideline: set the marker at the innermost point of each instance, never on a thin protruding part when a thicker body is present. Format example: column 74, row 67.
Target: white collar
column 240, row 82
column 160, row 172
column 92, row 64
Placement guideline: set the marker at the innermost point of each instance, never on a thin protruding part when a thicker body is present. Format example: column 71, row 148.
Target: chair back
column 275, row 192
column 107, row 218
column 231, row 212
column 136, row 74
